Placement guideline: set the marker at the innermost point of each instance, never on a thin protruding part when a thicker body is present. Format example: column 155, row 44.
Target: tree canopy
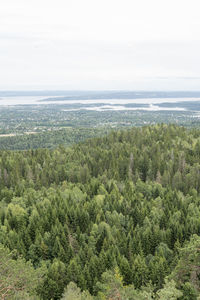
column 115, row 217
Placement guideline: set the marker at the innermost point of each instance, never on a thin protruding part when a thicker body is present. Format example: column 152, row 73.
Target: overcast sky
column 100, row 44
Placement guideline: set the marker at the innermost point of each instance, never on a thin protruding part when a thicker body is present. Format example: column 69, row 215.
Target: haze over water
column 102, row 101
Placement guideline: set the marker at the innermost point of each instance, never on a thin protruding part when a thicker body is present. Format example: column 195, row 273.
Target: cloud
column 96, row 44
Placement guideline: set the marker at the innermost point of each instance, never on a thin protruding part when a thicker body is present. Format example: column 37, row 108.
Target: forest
column 112, row 217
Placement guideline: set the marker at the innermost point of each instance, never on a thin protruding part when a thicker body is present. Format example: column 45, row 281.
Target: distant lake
column 94, row 101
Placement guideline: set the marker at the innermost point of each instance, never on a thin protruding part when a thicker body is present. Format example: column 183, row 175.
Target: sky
column 99, row 45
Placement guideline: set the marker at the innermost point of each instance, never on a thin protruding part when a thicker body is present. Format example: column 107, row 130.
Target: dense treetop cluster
column 116, row 217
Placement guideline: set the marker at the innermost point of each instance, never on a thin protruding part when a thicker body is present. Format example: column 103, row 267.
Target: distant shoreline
column 86, row 94
column 103, row 102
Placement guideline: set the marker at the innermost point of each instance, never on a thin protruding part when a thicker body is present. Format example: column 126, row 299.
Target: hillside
column 115, row 217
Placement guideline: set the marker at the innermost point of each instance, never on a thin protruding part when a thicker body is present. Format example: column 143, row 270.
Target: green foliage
column 72, row 292
column 127, row 202
column 18, row 279
column 187, row 270
column 189, row 292
column 169, row 291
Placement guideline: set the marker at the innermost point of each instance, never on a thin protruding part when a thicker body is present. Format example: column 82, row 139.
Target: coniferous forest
column 114, row 217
